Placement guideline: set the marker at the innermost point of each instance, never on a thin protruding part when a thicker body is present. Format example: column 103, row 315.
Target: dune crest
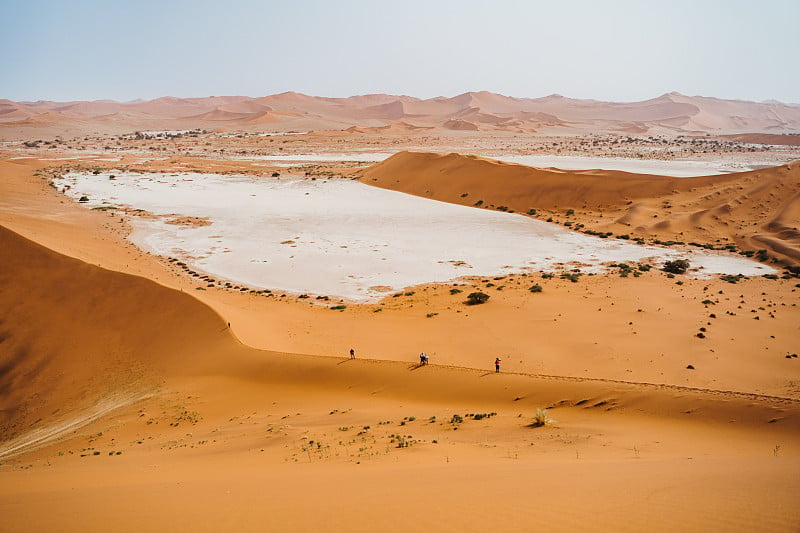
column 78, row 333
column 755, row 210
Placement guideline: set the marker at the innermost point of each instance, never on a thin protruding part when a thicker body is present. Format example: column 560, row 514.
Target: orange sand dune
column 233, row 438
column 129, row 405
column 137, row 330
column 755, row 210
column 447, row 177
column 765, row 138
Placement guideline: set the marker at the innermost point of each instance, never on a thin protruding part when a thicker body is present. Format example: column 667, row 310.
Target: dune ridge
column 670, row 114
column 138, row 331
column 754, row 210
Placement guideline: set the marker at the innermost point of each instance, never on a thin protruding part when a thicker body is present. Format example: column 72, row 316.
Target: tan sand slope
column 168, row 413
column 105, row 334
column 755, row 210
column 239, row 439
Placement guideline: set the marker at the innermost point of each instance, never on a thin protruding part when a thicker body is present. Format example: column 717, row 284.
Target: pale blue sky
column 618, row 50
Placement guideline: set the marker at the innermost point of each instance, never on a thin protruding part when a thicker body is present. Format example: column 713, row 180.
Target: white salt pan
column 343, row 238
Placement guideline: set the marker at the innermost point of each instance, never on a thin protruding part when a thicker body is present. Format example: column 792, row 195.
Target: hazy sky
column 614, row 50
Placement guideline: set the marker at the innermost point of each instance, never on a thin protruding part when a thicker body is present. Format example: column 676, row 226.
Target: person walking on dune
column 352, row 353
column 423, row 359
column 497, row 365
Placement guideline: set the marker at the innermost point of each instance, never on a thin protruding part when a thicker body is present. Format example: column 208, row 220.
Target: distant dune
column 671, row 113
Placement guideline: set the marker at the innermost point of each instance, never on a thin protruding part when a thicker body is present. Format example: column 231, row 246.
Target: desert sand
column 136, row 397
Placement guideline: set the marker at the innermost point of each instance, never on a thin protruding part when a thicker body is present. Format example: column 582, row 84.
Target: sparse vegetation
column 541, row 418
column 476, row 298
column 678, row 266
column 731, row 278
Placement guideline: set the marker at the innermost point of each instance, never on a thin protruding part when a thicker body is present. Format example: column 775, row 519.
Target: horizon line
column 552, row 95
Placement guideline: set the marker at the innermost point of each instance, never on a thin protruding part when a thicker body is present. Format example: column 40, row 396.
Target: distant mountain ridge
column 670, row 113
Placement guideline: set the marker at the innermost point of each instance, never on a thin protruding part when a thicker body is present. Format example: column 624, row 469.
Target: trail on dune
column 43, row 436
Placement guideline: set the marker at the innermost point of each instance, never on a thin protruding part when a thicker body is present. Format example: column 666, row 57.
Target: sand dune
column 755, row 210
column 128, row 404
column 54, row 363
column 671, row 113
column 766, row 138
column 220, row 434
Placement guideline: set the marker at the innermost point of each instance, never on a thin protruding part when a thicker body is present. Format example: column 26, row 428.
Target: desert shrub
column 84, row 199
column 541, row 418
column 548, row 275
column 762, row 255
column 572, row 276
column 276, row 174
column 570, row 212
column 731, row 279
column 795, row 270
column 338, row 307
column 535, row 288
column 455, row 291
column 531, row 211
column 475, row 298
column 678, row 266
